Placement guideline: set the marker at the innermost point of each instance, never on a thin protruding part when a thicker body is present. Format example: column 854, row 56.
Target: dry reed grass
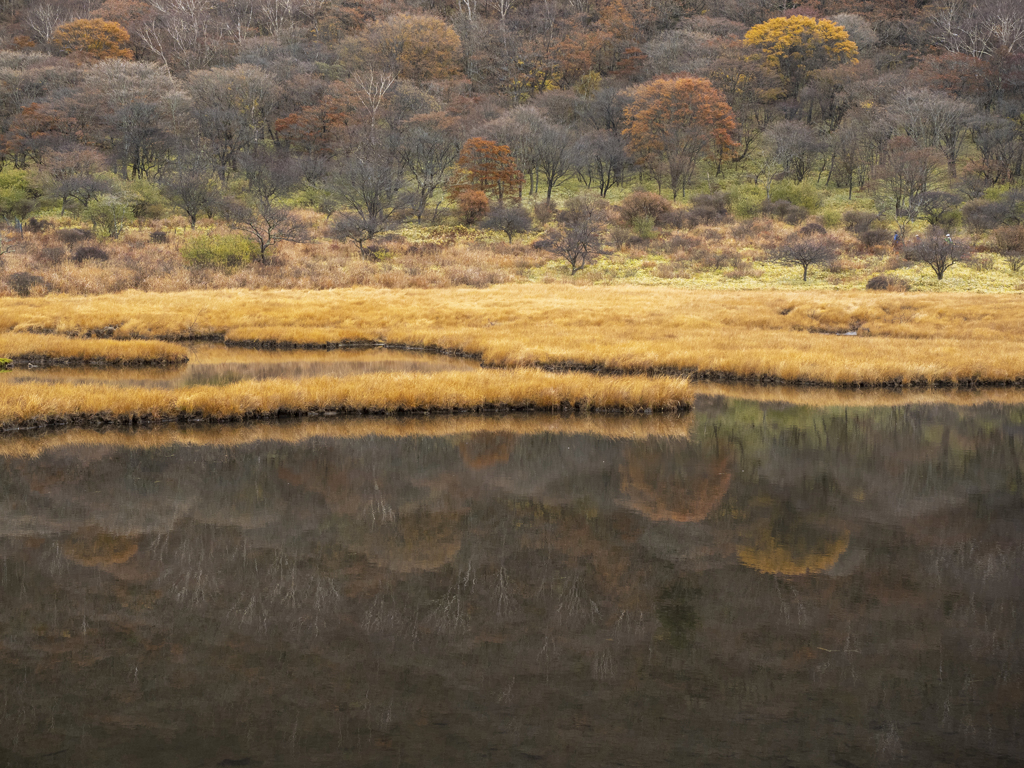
column 920, row 339
column 35, row 346
column 27, row 404
column 660, row 426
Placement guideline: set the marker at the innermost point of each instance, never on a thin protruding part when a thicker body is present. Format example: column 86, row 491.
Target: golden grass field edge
column 44, row 348
column 767, row 336
column 25, row 404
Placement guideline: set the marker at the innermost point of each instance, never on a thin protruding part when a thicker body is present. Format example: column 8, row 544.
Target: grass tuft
column 27, row 404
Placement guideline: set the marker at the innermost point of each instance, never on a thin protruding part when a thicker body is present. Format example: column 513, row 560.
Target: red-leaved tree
column 675, row 122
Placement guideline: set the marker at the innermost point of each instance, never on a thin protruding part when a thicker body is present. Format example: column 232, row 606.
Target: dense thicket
column 375, row 109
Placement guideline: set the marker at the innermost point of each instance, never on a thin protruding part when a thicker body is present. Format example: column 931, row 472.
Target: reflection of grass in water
column 822, row 397
column 663, row 426
column 213, row 379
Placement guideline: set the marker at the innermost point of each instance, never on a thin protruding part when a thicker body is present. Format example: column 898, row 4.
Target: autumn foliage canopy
column 488, row 167
column 95, row 39
column 794, row 46
column 674, row 122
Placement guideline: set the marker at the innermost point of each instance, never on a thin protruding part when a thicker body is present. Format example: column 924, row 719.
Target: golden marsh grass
column 921, row 339
column 24, row 404
column 34, row 346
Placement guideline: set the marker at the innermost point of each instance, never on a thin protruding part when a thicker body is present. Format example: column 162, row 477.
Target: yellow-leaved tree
column 795, row 46
column 95, row 39
column 415, row 46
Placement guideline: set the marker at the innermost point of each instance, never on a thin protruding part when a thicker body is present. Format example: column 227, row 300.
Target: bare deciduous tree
column 938, row 250
column 806, row 251
column 580, row 237
column 265, row 223
column 372, row 189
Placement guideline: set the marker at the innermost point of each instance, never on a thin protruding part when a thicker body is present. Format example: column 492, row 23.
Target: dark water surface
column 753, row 585
column 217, row 364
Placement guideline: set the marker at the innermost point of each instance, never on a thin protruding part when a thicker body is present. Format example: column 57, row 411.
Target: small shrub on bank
column 22, row 282
column 874, row 237
column 785, row 210
column 225, row 251
column 51, row 254
column 888, row 283
column 1010, row 242
column 707, row 209
column 544, row 211
column 72, row 236
column 744, row 269
column 89, row 253
column 643, row 204
column 859, row 222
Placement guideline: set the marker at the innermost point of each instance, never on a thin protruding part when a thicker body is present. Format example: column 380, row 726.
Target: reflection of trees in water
column 94, row 546
column 663, row 486
column 487, row 449
column 288, row 599
column 792, row 528
column 791, row 541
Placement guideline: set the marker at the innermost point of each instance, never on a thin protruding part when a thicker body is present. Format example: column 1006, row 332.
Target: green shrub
column 805, row 195
column 145, row 199
column 231, row 250
column 746, row 200
column 109, row 214
column 643, row 227
column 16, row 194
column 832, row 217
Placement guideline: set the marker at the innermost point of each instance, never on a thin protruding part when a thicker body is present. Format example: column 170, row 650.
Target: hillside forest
column 170, row 144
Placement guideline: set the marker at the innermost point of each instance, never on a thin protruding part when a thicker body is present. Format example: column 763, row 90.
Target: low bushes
column 888, row 283
column 224, row 251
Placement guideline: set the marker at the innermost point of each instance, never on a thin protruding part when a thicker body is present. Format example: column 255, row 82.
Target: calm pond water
column 218, row 364
column 751, row 585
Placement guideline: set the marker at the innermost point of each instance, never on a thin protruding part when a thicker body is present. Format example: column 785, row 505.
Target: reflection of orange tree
column 92, row 546
column 485, row 450
column 791, row 543
column 680, row 500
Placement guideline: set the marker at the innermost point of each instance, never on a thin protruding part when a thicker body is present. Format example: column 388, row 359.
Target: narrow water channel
column 755, row 583
column 219, row 364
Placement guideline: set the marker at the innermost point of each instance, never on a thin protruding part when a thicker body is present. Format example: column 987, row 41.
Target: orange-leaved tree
column 673, row 123
column 93, row 39
column 488, row 167
column 795, row 46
